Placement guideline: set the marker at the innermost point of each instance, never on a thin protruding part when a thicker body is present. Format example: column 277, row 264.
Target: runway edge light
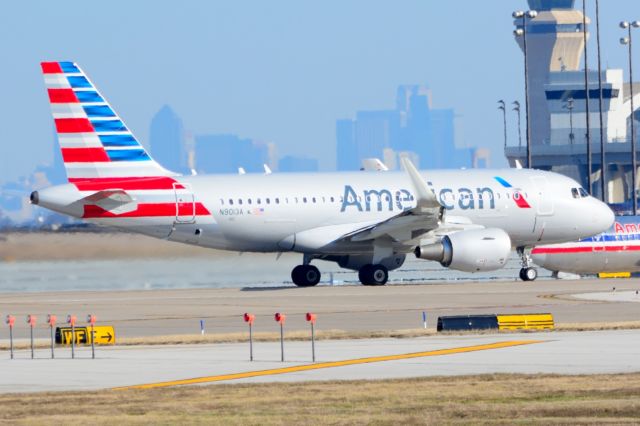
column 51, row 320
column 31, row 320
column 312, row 320
column 249, row 319
column 280, row 319
column 10, row 322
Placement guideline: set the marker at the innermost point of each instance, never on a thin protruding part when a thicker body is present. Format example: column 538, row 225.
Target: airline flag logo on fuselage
column 518, row 198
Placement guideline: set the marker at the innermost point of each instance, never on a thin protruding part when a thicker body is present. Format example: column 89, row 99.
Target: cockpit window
column 575, row 193
column 583, row 192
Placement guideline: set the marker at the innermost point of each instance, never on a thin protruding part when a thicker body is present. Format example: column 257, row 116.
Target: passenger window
column 258, row 201
column 249, row 201
column 222, row 201
column 240, row 201
column 230, row 201
column 267, row 200
column 277, row 200
column 332, row 199
column 314, row 200
column 304, row 199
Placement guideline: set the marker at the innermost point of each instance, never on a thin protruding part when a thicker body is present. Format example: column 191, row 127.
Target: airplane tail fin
column 94, row 141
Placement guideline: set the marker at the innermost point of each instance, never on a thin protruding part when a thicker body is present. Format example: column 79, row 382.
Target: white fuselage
column 616, row 250
column 306, row 212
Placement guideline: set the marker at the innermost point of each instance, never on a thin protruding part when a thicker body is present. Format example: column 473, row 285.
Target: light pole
column 516, row 108
column 586, row 96
column 603, row 168
column 503, row 107
column 522, row 32
column 628, row 41
column 569, row 106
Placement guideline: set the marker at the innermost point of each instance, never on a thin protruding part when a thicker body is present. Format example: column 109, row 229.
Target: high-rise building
column 225, row 153
column 290, row 163
column 347, row 152
column 413, row 127
column 167, row 140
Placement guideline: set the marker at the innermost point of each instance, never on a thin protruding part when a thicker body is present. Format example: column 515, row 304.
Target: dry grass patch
column 492, row 399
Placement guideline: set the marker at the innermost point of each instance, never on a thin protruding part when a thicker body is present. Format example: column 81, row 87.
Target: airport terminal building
column 558, row 103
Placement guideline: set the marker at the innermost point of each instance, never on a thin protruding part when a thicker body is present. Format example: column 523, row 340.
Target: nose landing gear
column 527, row 273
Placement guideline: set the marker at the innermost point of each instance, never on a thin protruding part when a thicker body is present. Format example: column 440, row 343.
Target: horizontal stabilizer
column 114, row 201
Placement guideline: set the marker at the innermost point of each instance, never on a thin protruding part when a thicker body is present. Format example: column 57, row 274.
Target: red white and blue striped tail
column 96, row 145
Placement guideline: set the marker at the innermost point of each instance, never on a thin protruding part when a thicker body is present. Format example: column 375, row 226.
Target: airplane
column 615, row 250
column 366, row 221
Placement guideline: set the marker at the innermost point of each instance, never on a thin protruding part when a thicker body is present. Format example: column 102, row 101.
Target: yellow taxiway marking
column 306, row 367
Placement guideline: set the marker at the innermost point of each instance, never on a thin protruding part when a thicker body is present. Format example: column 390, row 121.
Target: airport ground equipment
column 31, row 320
column 280, row 319
column 312, row 320
column 249, row 319
column 539, row 321
column 10, row 322
column 51, row 320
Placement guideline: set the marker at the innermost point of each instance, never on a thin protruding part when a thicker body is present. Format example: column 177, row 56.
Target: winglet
column 267, row 170
column 425, row 197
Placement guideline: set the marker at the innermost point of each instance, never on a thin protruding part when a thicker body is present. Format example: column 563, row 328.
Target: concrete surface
column 558, row 352
column 164, row 312
column 611, row 296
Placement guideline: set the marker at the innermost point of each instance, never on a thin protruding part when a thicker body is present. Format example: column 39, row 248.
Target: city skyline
column 252, row 69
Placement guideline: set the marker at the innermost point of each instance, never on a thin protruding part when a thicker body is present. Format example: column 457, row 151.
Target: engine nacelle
column 470, row 251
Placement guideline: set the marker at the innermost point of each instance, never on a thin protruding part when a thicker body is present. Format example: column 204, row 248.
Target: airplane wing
column 425, row 221
column 426, row 216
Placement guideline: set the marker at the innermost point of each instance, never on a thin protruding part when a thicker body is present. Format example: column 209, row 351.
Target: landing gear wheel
column 528, row 274
column 373, row 275
column 305, row 275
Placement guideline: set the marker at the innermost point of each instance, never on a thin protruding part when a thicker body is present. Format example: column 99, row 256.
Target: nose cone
column 602, row 217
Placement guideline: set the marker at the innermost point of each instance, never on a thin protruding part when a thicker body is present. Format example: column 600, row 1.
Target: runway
column 551, row 352
column 355, row 308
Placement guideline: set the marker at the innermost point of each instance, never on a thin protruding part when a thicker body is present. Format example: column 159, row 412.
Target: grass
column 490, row 399
column 300, row 335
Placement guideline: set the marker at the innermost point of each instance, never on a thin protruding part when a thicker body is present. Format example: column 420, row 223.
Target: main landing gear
column 373, row 275
column 527, row 273
column 305, row 275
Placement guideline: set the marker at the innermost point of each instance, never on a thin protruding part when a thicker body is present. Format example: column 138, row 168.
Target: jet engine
column 469, row 251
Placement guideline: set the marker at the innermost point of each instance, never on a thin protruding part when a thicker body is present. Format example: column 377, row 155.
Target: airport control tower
column 558, row 101
column 555, row 42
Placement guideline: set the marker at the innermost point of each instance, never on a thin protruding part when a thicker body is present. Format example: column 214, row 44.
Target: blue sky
column 280, row 71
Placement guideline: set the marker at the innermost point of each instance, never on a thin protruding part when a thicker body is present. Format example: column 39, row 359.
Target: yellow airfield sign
column 102, row 335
